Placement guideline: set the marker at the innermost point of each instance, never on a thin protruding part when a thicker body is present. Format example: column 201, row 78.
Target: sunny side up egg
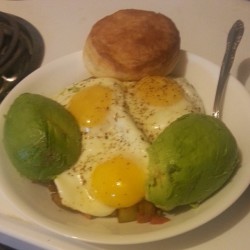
column 154, row 102
column 112, row 168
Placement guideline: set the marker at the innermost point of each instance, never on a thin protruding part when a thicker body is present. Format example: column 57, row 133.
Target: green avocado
column 41, row 137
column 190, row 160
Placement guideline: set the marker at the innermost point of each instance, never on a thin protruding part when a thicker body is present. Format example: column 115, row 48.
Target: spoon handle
column 234, row 37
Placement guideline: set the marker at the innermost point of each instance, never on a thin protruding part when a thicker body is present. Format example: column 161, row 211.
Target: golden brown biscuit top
column 135, row 39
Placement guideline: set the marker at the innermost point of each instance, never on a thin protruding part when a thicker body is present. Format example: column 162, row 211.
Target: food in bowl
column 190, row 160
column 155, row 102
column 112, row 170
column 41, row 137
column 121, row 170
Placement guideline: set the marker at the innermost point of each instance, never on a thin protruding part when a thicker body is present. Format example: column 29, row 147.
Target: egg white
column 117, row 134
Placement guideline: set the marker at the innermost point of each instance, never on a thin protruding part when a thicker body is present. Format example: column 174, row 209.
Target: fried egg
column 154, row 102
column 112, row 168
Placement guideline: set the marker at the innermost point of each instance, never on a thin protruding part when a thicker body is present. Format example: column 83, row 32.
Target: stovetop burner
column 21, row 51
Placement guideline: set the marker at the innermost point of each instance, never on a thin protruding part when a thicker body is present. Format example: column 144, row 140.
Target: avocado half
column 190, row 160
column 41, row 137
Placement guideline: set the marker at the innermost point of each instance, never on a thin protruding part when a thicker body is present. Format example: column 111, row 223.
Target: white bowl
column 34, row 201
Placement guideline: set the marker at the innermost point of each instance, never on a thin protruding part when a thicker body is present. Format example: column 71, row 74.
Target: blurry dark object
column 21, row 51
column 3, row 247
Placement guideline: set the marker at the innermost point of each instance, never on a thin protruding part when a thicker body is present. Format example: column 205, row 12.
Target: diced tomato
column 158, row 219
column 142, row 218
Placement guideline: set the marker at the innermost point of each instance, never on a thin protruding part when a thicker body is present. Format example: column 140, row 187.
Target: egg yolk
column 90, row 105
column 118, row 182
column 158, row 91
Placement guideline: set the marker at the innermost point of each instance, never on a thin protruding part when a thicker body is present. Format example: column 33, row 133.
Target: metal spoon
column 234, row 37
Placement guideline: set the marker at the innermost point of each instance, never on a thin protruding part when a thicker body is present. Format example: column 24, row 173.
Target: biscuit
column 131, row 44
